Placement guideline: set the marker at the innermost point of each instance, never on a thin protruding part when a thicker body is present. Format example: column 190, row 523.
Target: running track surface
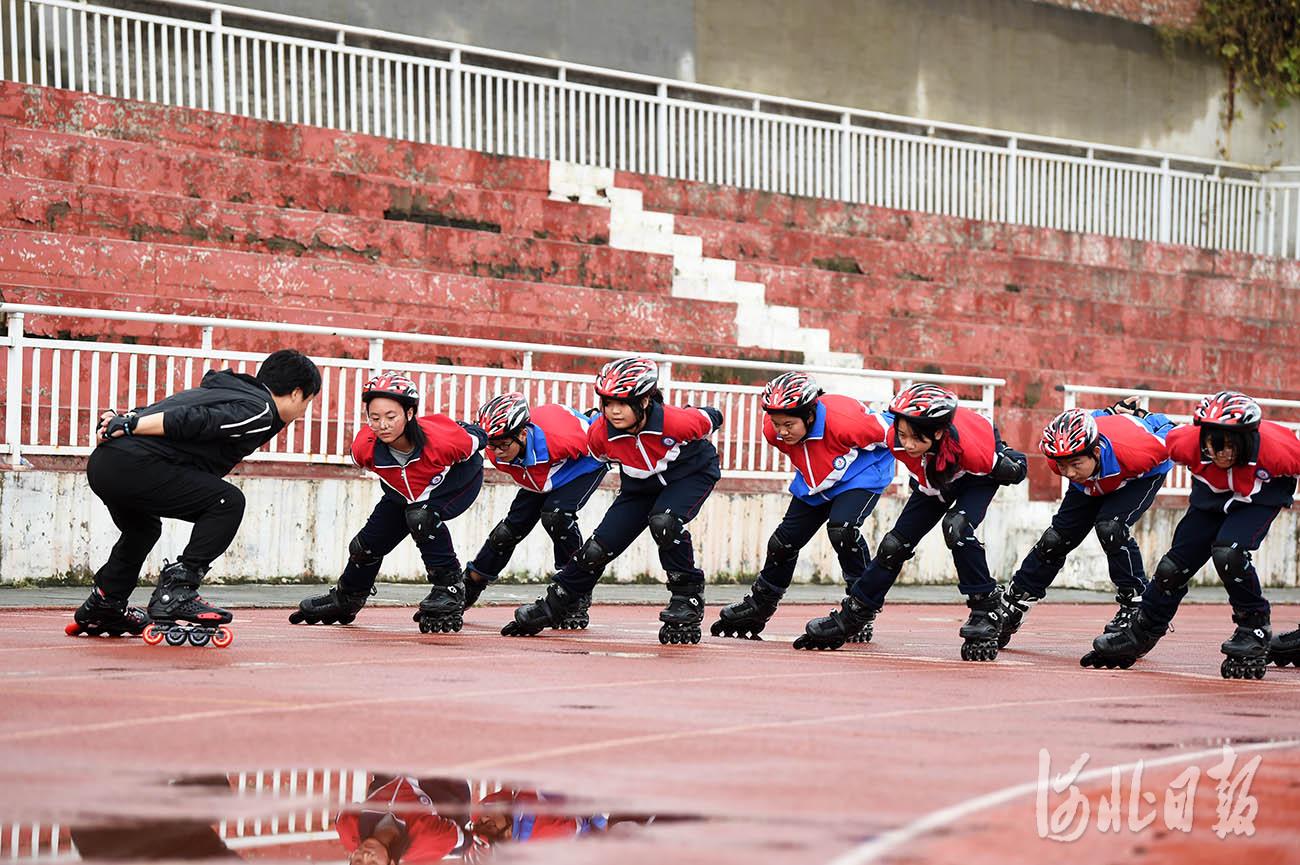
column 896, row 751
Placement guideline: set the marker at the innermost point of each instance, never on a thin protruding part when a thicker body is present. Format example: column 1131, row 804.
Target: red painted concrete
column 795, row 756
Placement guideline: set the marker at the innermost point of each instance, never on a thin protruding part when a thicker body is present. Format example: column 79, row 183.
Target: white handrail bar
column 475, row 342
column 608, row 72
column 1166, row 394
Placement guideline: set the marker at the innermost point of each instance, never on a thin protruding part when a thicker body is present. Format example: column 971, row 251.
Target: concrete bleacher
column 129, row 205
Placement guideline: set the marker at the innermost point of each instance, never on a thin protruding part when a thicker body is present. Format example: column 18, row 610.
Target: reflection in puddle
column 359, row 817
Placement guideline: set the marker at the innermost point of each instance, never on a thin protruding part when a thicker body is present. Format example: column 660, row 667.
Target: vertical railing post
column 205, row 338
column 661, row 130
column 1166, row 204
column 665, row 379
column 527, row 364
column 14, row 390
column 846, row 182
column 218, row 64
column 376, row 358
column 1012, row 208
column 457, row 114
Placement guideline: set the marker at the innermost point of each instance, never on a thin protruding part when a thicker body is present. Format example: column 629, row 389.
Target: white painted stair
column 758, row 323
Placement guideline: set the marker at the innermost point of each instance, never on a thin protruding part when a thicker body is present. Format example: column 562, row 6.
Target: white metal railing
column 56, row 388
column 1177, row 405
column 297, row 70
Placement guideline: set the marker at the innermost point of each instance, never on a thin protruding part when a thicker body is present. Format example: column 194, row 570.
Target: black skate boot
column 834, row 630
column 578, row 618
column 475, row 582
column 545, row 612
column 747, row 617
column 1121, row 649
column 1128, row 600
column 1015, row 606
column 335, row 606
column 98, row 615
column 442, row 610
column 1284, row 649
column 1247, row 649
column 180, row 615
column 983, row 627
column 685, row 611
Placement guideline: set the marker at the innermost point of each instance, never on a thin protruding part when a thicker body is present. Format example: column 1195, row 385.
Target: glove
column 1010, row 467
column 1127, row 405
column 113, row 425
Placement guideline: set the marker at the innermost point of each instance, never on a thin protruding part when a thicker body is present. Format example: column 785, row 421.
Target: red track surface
column 794, row 757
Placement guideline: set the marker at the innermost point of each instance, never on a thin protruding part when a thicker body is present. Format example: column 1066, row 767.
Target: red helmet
column 791, row 392
column 1228, row 408
column 926, row 404
column 627, row 378
column 504, row 415
column 393, row 385
column 1072, row 432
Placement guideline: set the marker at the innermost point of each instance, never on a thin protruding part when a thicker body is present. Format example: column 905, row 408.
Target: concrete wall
column 51, row 525
column 1008, row 64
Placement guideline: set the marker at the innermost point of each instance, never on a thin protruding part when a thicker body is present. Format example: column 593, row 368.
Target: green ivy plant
column 1258, row 44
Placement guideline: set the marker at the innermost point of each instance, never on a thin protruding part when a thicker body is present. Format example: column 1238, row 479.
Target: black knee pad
column 503, row 538
column 779, row 551
column 422, row 521
column 557, row 523
column 1230, row 560
column 845, row 537
column 666, row 528
column 893, row 551
column 1170, row 576
column 956, row 527
column 593, row 556
column 360, row 555
column 1113, row 534
column 1051, row 546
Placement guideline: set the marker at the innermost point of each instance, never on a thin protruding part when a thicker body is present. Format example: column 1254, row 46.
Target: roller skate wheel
column 72, row 629
column 176, row 636
column 152, row 634
column 347, row 620
column 223, row 637
column 199, row 636
column 425, row 625
column 297, row 617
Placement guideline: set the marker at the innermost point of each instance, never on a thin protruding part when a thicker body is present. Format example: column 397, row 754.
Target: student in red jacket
column 398, row 822
column 1244, row 472
column 1116, row 461
column 544, row 451
column 958, row 462
column 842, row 465
column 430, row 470
column 668, row 467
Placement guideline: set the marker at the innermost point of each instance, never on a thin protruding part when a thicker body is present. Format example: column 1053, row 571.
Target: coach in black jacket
column 168, row 460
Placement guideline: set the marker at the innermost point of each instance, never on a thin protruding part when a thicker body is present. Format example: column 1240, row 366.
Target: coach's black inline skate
column 179, row 615
column 545, row 612
column 1247, row 649
column 983, row 627
column 1121, row 649
column 1284, row 649
column 749, row 616
column 443, row 610
column 99, row 616
column 685, row 611
column 839, row 627
column 1015, row 606
column 334, row 607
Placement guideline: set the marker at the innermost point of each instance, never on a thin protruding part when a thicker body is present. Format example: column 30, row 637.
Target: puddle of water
column 328, row 815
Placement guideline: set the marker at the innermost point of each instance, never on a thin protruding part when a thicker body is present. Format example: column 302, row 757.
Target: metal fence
column 1178, row 406
column 55, row 389
column 277, row 67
